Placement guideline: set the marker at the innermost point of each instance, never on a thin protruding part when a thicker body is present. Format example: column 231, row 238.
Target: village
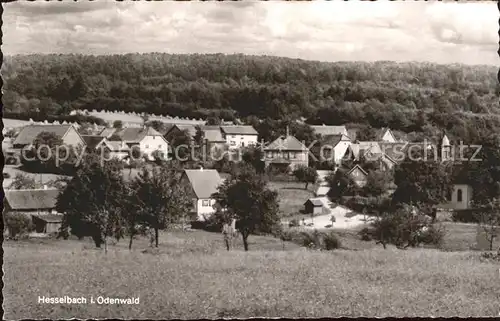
column 336, row 144
column 250, row 159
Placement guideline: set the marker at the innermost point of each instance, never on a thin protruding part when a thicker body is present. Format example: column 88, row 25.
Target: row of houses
column 286, row 152
column 40, row 204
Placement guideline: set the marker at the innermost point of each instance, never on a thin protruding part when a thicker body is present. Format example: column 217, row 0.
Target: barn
column 39, row 204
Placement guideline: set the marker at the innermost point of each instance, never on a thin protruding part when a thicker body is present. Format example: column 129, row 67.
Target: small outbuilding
column 315, row 206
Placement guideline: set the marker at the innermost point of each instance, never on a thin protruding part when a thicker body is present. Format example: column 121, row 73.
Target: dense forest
column 416, row 98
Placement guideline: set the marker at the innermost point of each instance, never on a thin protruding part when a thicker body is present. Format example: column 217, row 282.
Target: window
column 233, row 143
column 269, row 154
column 459, row 195
column 147, row 146
column 159, row 146
column 293, row 155
column 205, row 203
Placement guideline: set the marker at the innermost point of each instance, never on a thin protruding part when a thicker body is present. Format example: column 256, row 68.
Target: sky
column 439, row 32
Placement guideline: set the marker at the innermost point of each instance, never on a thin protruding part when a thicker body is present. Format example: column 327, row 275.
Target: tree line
column 409, row 97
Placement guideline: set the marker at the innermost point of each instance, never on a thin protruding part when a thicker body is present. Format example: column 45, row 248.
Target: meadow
column 191, row 275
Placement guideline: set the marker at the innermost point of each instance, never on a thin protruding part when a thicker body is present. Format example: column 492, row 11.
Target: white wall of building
column 204, row 207
column 149, row 144
column 238, row 141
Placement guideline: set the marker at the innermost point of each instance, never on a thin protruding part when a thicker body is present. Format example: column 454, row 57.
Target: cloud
column 443, row 32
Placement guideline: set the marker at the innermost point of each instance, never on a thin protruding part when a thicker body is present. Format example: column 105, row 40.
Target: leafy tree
column 377, row 183
column 428, row 182
column 340, row 184
column 180, row 144
column 247, row 198
column 160, row 197
column 92, row 200
column 157, row 125
column 488, row 218
column 254, row 156
column 306, row 175
column 118, row 124
column 213, row 121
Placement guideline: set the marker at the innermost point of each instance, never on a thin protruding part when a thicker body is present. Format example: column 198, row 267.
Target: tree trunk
column 491, row 243
column 245, row 241
column 130, row 241
column 307, row 184
column 156, row 236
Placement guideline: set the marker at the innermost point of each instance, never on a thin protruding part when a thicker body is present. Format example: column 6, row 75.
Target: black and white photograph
column 250, row 159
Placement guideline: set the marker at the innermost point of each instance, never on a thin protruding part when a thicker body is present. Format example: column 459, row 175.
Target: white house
column 326, row 130
column 460, row 198
column 202, row 184
column 146, row 138
column 239, row 136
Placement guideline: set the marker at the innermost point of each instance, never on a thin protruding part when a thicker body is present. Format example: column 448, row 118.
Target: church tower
column 445, row 148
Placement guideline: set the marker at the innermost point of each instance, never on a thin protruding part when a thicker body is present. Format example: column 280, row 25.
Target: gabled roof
column 314, row 201
column 286, row 143
column 107, row 132
column 362, row 148
column 136, row 134
column 213, row 135
column 357, row 167
column 32, row 199
column 239, row 130
column 380, row 132
column 190, row 128
column 329, row 130
column 92, row 140
column 29, row 133
column 117, row 146
column 203, row 181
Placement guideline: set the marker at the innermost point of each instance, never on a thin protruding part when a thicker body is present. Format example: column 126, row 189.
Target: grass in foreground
column 192, row 276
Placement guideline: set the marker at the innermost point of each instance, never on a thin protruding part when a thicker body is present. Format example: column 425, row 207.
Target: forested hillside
column 409, row 97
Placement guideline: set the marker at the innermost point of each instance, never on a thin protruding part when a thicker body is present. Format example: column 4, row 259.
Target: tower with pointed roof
column 445, row 148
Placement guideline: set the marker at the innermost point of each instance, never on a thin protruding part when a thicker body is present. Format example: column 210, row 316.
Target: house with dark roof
column 116, row 149
column 372, row 151
column 40, row 204
column 68, row 133
column 317, row 206
column 286, row 153
column 358, row 175
column 239, row 136
column 202, row 183
column 175, row 129
column 147, row 139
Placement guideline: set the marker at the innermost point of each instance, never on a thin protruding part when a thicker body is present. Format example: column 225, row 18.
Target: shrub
column 17, row 224
column 370, row 205
column 312, row 240
column 433, row 235
column 331, row 242
column 328, row 226
column 293, row 223
column 365, row 234
column 465, row 216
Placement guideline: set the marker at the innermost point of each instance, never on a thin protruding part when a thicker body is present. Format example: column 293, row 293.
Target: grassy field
column 192, row 276
column 292, row 196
